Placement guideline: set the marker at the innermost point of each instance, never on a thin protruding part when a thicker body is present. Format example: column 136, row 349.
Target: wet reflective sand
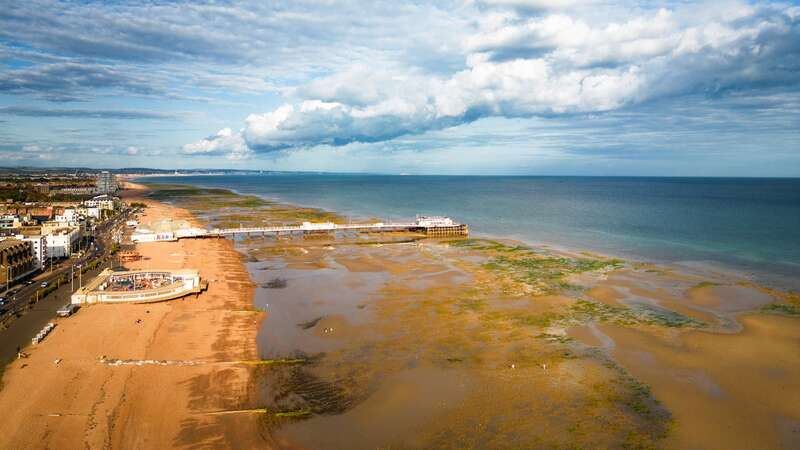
column 414, row 345
column 736, row 386
column 388, row 341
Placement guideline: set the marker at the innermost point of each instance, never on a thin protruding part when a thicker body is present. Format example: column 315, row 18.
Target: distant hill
column 137, row 170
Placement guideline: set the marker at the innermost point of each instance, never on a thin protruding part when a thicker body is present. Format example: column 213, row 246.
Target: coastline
column 375, row 325
column 386, row 339
column 713, row 267
column 183, row 362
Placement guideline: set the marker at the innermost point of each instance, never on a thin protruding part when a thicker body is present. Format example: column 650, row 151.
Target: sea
column 747, row 226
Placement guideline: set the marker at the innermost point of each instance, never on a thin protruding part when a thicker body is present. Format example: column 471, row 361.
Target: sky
column 561, row 87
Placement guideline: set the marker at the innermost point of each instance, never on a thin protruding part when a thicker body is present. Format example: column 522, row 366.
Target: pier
column 433, row 226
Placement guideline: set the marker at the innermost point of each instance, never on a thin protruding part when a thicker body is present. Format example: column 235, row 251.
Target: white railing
column 312, row 227
column 163, row 293
column 306, row 227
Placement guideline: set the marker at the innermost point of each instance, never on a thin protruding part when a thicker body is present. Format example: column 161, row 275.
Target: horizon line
column 206, row 171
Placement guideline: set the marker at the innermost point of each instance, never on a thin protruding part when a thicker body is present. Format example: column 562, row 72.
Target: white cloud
column 535, row 5
column 326, row 74
column 520, row 66
column 32, row 151
column 409, row 104
column 225, row 142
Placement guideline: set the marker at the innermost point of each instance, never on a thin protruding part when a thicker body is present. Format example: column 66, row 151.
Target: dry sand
column 81, row 402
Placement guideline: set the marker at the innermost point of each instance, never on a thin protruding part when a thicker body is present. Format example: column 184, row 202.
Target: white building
column 72, row 215
column 39, row 243
column 62, row 242
column 153, row 286
column 91, row 211
column 10, row 221
column 106, row 202
column 68, row 216
column 435, row 221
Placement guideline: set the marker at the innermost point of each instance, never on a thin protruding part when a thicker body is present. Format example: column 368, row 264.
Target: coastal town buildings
column 68, row 216
column 52, row 239
column 54, row 226
column 41, row 188
column 106, row 183
column 38, row 246
column 62, row 242
column 16, row 260
column 75, row 190
column 47, row 215
column 90, row 211
column 54, row 229
column 10, row 221
column 26, row 230
column 30, row 212
column 103, row 202
column 76, row 213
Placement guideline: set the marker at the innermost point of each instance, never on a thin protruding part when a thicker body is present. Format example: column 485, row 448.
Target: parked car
column 44, row 284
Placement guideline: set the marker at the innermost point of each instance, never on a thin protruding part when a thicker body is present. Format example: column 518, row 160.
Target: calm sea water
column 751, row 226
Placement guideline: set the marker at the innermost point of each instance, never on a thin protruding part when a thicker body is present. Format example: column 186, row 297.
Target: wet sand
column 726, row 391
column 490, row 344
column 419, row 346
column 62, row 396
column 413, row 346
column 733, row 386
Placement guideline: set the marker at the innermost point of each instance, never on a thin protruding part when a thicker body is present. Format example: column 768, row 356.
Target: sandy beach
column 62, row 396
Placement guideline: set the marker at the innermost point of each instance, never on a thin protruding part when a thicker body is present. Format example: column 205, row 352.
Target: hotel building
column 16, row 260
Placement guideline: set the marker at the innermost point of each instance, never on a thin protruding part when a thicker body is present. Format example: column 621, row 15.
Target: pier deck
column 430, row 226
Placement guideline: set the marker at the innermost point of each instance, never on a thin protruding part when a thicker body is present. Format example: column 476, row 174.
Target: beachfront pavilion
column 139, row 286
